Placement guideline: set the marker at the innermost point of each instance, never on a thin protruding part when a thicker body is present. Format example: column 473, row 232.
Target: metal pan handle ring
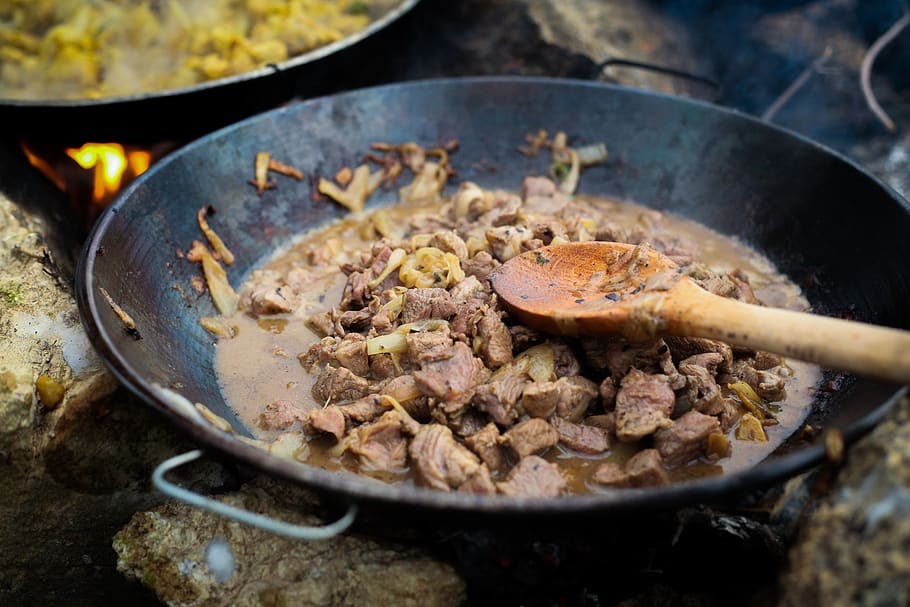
column 300, row 532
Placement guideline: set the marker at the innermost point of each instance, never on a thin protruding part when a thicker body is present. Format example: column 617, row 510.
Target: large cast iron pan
column 187, row 112
column 835, row 229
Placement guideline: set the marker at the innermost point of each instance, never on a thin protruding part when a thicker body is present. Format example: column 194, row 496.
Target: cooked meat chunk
column 565, row 362
column 356, row 291
column 581, row 438
column 644, row 469
column 530, row 437
column 607, row 390
column 467, row 316
column 685, row 347
column 481, row 482
column 281, row 414
column 450, row 242
column 702, row 392
column 440, row 461
column 643, row 405
column 686, row 439
column 269, row 299
column 450, row 376
column 498, row 398
column 381, row 445
column 363, row 410
column 337, row 384
column 485, row 444
column 567, row 397
column 480, row 266
column 507, row 241
column 468, row 289
column 351, row 353
column 495, row 339
column 424, row 304
column 533, row 477
column 328, row 420
column 767, row 385
column 729, row 415
column 428, row 346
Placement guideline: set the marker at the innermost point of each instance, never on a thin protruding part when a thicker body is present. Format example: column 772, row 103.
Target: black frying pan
column 184, row 113
column 832, row 227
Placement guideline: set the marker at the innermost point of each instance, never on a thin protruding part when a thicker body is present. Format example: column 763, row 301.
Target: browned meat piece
column 565, row 362
column 451, row 375
column 281, row 414
column 481, row 483
column 618, row 356
column 581, row 438
column 467, row 315
column 538, row 399
column 356, row 291
column 765, row 360
column 726, row 285
column 503, row 209
column 607, row 421
column 322, row 324
column 499, row 397
column 495, row 339
column 607, row 391
column 320, row 353
column 469, row 288
column 428, row 223
column 382, row 366
column 465, row 422
column 351, row 353
column 450, row 242
column 403, row 388
column 363, row 410
column 729, row 415
column 441, row 462
column 485, row 443
column 540, row 198
column 506, row 241
column 568, row 397
column 767, row 385
column 353, row 320
column 382, row 322
column 702, row 392
column 644, row 469
column 686, row 439
column 546, row 229
column 480, row 266
column 575, row 395
column 681, row 250
column 423, row 304
column 380, row 445
column 428, row 346
column 269, row 299
column 328, row 420
column 684, row 347
column 337, row 384
column 643, row 405
column 530, row 437
column 381, row 252
column 524, row 337
column 533, row 477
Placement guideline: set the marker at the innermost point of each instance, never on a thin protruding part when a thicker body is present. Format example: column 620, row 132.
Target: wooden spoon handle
column 831, row 342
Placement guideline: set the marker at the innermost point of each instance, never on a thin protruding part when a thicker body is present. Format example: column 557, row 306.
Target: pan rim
column 361, row 489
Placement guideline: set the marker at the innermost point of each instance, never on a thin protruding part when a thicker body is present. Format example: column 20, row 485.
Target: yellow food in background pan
column 70, row 49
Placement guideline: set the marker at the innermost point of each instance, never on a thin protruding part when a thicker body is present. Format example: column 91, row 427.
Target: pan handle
column 300, row 532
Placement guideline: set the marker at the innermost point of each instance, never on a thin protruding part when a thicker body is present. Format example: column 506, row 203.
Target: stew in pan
column 379, row 340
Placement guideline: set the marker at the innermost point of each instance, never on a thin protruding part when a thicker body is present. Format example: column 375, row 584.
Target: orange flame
column 110, row 162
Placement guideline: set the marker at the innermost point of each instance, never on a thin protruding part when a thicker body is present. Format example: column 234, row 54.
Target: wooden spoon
column 608, row 288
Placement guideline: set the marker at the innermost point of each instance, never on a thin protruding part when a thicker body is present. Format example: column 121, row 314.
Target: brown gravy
column 259, row 365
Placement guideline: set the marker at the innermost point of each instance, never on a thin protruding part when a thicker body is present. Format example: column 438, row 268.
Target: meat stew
column 379, row 341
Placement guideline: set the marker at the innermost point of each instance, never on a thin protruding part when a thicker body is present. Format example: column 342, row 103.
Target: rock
column 192, row 558
column 852, row 550
column 73, row 472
